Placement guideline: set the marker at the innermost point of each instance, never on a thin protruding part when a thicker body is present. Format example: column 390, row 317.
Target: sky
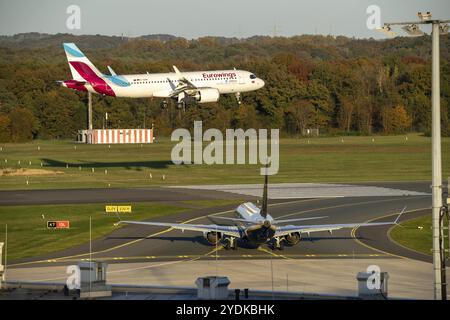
column 197, row 18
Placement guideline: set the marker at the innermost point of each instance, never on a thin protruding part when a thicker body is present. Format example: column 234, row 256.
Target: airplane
column 258, row 227
column 183, row 87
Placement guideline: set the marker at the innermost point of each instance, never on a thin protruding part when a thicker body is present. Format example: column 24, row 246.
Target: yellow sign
column 110, row 209
column 120, row 209
column 123, row 209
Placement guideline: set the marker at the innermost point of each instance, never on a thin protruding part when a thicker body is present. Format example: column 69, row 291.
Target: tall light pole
column 438, row 27
column 89, row 115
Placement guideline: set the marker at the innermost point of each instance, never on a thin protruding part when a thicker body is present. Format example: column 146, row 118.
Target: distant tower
column 275, row 30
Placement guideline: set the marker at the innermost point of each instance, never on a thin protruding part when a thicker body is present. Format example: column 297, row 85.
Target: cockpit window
column 252, row 76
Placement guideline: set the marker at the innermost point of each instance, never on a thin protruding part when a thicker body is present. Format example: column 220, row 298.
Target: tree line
column 339, row 85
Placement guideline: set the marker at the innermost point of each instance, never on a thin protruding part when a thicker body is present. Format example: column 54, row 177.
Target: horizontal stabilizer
column 299, row 219
column 232, row 219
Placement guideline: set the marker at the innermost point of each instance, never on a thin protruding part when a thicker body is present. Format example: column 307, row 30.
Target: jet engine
column 293, row 238
column 207, row 95
column 213, row 237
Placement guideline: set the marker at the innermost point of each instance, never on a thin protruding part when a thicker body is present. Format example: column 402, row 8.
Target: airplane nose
column 261, row 83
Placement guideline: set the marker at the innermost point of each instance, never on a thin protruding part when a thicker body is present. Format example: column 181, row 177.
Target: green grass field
column 28, row 234
column 327, row 159
column 415, row 234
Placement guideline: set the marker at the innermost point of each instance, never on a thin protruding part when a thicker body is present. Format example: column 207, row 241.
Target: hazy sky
column 195, row 18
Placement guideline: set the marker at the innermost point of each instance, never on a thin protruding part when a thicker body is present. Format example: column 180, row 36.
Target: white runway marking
column 307, row 190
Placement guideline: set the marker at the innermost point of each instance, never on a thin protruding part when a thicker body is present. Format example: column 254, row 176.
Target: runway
column 153, row 244
column 80, row 196
column 180, row 193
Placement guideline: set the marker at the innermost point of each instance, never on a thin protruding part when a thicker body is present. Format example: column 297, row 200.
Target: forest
column 341, row 85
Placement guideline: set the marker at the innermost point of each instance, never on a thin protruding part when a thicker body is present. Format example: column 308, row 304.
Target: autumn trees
column 337, row 84
column 19, row 125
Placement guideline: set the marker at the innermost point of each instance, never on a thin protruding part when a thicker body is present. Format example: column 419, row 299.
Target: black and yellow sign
column 118, row 209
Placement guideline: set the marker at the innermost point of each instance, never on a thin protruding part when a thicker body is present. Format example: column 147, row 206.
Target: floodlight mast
column 438, row 27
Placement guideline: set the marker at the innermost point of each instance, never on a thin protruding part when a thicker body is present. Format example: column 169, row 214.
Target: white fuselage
column 261, row 228
column 160, row 85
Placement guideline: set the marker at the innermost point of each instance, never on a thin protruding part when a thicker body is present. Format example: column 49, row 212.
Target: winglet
column 176, row 70
column 400, row 214
column 111, row 71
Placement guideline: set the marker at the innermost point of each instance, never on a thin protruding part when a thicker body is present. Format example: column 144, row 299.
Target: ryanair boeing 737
column 184, row 87
column 258, row 227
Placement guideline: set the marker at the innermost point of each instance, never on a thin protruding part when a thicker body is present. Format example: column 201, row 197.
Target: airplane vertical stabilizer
column 79, row 64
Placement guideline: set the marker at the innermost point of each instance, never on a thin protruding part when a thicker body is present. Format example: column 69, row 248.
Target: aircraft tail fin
column 80, row 66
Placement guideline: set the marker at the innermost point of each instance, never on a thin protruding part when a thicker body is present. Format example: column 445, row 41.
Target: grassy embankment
column 328, row 159
column 416, row 234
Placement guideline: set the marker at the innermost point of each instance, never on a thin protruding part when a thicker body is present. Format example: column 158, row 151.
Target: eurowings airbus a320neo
column 184, row 87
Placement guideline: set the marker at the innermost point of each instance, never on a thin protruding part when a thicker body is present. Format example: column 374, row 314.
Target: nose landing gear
column 164, row 104
column 238, row 98
column 277, row 244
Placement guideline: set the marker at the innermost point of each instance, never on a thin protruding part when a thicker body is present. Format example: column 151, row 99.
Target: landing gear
column 230, row 243
column 164, row 104
column 181, row 102
column 277, row 244
column 181, row 105
column 238, row 97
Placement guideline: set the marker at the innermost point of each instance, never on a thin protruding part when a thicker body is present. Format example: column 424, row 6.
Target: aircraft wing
column 232, row 231
column 285, row 230
column 183, row 84
column 179, row 89
column 183, row 79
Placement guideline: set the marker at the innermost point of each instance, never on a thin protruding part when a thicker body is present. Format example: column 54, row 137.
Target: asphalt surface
column 150, row 244
column 74, row 196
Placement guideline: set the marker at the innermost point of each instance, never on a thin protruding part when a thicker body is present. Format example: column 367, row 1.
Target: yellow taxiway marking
column 215, row 250
column 272, row 253
column 164, row 264
column 212, row 255
column 353, row 234
column 151, row 235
